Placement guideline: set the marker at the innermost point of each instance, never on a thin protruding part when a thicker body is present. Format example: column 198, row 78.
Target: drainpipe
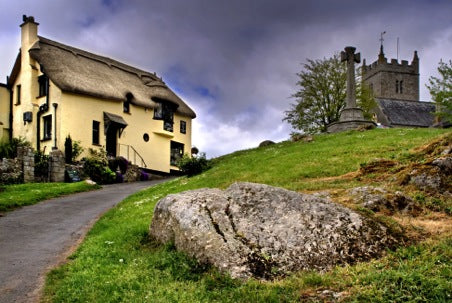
column 55, row 105
column 42, row 109
column 10, row 89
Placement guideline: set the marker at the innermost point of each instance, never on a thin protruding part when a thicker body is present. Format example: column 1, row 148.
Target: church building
column 395, row 87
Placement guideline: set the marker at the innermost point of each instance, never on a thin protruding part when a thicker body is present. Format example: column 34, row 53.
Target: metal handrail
column 135, row 154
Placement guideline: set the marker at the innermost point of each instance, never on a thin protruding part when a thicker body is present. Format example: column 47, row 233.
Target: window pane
column 47, row 129
column 43, row 85
column 126, row 107
column 96, row 132
column 18, row 94
column 177, row 151
column 158, row 111
column 168, row 126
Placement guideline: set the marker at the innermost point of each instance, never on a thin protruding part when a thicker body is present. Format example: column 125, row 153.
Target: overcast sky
column 235, row 61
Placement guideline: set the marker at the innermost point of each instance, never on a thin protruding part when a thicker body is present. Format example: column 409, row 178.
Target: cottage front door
column 112, row 140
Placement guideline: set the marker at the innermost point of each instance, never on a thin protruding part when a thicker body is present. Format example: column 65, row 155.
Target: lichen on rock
column 260, row 231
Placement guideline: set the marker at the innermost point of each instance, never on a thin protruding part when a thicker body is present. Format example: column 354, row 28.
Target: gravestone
column 351, row 116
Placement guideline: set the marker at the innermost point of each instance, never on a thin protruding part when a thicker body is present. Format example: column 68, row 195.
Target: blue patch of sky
column 204, row 92
column 253, row 110
column 112, row 5
column 174, row 78
column 88, row 21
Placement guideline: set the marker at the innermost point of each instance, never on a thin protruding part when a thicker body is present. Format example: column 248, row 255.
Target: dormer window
column 126, row 104
column 126, row 107
column 165, row 111
column 43, row 85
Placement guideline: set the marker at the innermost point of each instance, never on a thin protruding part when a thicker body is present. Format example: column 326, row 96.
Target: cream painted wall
column 29, row 101
column 4, row 113
column 54, row 98
column 75, row 115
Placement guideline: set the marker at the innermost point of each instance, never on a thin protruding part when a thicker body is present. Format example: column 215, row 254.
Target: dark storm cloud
column 235, row 61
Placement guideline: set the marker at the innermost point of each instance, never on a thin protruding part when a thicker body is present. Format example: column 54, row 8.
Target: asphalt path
column 36, row 238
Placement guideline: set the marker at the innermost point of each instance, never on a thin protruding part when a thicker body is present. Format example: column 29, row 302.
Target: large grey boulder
column 256, row 230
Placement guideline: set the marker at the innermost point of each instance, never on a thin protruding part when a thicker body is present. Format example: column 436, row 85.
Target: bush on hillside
column 193, row 165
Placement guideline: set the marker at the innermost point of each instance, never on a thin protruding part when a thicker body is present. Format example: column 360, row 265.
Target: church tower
column 392, row 80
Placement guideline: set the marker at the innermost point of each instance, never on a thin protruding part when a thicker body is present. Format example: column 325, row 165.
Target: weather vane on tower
column 381, row 38
column 381, row 43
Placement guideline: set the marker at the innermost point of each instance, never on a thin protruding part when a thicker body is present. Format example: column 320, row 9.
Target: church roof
column 78, row 71
column 407, row 113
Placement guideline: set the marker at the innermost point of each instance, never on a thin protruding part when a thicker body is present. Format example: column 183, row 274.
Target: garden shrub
column 8, row 149
column 68, row 150
column 144, row 176
column 41, row 165
column 119, row 178
column 72, row 149
column 193, row 165
column 77, row 150
column 96, row 167
column 120, row 162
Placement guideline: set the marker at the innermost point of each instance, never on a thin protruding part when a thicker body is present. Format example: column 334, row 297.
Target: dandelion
column 138, row 203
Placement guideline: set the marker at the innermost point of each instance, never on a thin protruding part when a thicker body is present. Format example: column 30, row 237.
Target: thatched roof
column 78, row 71
column 407, row 113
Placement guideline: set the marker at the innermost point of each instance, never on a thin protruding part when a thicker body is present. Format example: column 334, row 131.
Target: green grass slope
column 18, row 195
column 118, row 263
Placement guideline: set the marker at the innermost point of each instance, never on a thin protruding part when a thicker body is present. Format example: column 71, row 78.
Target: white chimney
column 29, row 32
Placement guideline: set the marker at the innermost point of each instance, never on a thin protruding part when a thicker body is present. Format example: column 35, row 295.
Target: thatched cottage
column 57, row 90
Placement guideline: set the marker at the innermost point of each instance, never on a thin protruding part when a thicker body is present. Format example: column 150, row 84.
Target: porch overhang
column 114, row 121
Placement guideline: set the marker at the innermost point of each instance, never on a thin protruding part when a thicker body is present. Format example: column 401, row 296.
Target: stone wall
column 22, row 168
column 57, row 166
column 26, row 156
column 10, row 171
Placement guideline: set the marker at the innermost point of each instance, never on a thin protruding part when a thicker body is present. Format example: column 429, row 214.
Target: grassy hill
column 117, row 262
